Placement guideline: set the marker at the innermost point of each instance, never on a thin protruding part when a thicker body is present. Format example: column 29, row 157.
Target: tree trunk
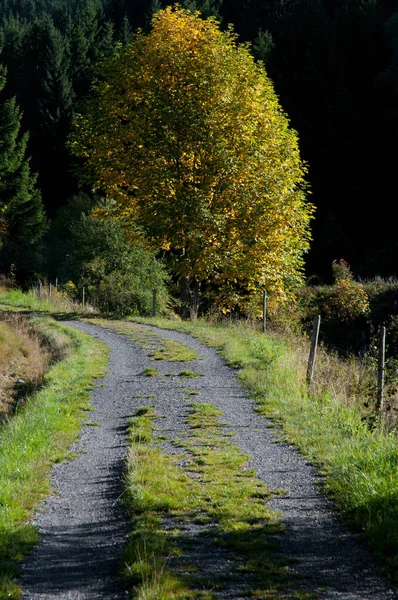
column 190, row 296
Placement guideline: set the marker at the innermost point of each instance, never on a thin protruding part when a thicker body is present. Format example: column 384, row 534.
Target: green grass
column 38, row 436
column 188, row 374
column 150, row 372
column 359, row 463
column 214, row 490
column 173, row 351
column 17, row 301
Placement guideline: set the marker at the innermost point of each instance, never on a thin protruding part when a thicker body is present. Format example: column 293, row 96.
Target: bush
column 128, row 289
column 344, row 308
column 347, row 302
column 117, row 277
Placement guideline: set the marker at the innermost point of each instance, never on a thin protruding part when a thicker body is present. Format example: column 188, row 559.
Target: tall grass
column 329, row 425
column 40, row 434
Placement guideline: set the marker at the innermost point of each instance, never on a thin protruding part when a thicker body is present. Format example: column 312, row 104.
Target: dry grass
column 348, row 381
column 23, row 360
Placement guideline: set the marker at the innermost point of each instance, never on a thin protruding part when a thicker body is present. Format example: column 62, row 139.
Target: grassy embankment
column 23, row 360
column 332, row 425
column 39, row 433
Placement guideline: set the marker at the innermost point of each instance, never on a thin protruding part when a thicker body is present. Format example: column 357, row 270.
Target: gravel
column 83, row 526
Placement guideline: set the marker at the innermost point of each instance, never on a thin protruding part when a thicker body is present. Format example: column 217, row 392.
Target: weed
column 23, row 361
column 150, row 372
column 173, row 351
column 60, row 302
column 144, row 410
column 189, row 374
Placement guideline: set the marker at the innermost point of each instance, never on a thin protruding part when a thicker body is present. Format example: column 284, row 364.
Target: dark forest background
column 334, row 64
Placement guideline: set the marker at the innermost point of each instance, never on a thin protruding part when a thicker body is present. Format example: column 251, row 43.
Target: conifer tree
column 124, row 33
column 47, row 101
column 22, row 219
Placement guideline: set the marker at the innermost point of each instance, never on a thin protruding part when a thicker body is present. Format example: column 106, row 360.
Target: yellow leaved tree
column 184, row 132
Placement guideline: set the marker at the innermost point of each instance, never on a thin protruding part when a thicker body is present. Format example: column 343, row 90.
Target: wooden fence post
column 314, row 344
column 380, row 374
column 83, row 296
column 154, row 303
column 39, row 289
column 265, row 311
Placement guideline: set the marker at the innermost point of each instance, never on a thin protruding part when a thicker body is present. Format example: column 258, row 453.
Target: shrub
column 117, row 276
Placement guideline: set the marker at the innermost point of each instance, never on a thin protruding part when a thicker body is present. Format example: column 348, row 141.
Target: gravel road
column 83, row 526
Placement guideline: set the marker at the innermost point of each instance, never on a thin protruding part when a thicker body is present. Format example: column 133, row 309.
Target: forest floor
column 84, row 525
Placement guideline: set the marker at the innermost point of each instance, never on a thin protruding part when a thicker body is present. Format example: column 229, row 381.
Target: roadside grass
column 38, row 435
column 206, row 485
column 159, row 348
column 333, row 424
column 15, row 300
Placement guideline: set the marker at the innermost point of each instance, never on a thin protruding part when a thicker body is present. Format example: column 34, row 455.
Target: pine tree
column 124, row 33
column 22, row 219
column 263, row 46
column 105, row 44
column 47, row 102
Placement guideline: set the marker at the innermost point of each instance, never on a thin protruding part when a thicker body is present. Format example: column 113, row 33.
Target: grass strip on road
column 159, row 348
column 40, row 434
column 208, row 487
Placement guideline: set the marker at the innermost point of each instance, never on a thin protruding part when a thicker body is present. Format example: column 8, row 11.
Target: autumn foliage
column 184, row 132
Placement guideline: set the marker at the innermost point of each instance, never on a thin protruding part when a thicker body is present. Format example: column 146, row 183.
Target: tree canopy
column 185, row 133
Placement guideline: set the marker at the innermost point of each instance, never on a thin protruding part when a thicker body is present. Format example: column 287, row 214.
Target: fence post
column 154, row 303
column 265, row 311
column 39, row 289
column 83, row 296
column 314, row 344
column 380, row 374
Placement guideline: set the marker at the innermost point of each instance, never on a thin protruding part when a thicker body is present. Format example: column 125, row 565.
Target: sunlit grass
column 207, row 484
column 23, row 361
column 15, row 300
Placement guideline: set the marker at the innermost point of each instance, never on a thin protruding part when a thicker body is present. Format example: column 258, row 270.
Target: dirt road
column 83, row 525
